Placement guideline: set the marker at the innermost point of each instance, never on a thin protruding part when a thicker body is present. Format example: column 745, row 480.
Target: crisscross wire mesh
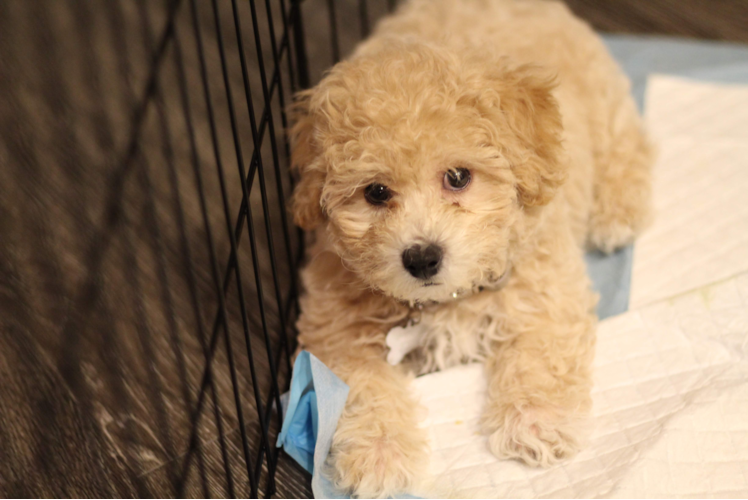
column 148, row 264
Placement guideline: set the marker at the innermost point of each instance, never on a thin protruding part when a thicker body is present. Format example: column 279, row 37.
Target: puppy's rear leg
column 622, row 185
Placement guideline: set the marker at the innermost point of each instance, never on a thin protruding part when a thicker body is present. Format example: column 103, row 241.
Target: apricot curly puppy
column 452, row 172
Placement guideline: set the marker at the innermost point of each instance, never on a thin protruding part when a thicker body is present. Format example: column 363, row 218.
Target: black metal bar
column 150, row 88
column 217, row 323
column 286, row 146
column 285, row 14
column 141, row 320
column 166, row 288
column 158, row 246
column 232, row 240
column 279, row 184
column 334, row 41
column 267, row 94
column 250, row 222
column 207, row 381
column 275, row 82
column 302, row 64
column 278, row 55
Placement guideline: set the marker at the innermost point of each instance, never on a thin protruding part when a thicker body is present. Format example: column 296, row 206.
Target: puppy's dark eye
column 456, row 179
column 377, row 194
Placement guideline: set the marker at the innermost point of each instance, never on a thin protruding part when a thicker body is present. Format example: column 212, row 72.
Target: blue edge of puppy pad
column 317, row 397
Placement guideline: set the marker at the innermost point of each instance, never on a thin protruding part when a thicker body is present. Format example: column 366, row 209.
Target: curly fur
column 526, row 97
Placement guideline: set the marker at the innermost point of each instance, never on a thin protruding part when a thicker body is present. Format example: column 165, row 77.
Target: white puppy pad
column 670, row 413
column 700, row 234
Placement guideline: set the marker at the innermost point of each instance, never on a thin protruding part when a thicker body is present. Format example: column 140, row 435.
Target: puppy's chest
column 444, row 336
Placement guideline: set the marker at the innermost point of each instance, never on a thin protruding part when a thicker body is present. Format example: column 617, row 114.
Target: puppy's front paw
column 371, row 461
column 537, row 436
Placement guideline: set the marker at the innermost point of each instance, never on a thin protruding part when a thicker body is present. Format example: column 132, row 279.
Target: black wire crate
column 148, row 263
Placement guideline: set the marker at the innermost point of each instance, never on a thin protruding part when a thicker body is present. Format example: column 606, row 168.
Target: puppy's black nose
column 422, row 262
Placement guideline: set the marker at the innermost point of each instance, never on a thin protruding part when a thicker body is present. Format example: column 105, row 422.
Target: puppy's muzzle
column 422, row 262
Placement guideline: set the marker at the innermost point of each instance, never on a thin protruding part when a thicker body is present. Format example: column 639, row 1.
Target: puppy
column 451, row 174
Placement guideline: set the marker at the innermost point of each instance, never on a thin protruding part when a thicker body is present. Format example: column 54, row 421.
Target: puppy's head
column 423, row 166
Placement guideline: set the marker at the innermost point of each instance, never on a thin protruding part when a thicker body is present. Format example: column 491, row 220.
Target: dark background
column 99, row 358
column 702, row 19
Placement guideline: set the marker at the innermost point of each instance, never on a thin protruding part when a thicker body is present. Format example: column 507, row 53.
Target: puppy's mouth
column 493, row 282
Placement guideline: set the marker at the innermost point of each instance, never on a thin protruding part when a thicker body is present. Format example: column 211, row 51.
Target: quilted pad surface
column 670, row 415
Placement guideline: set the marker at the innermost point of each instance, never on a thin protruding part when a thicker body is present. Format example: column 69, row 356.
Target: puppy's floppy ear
column 530, row 112
column 306, row 164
